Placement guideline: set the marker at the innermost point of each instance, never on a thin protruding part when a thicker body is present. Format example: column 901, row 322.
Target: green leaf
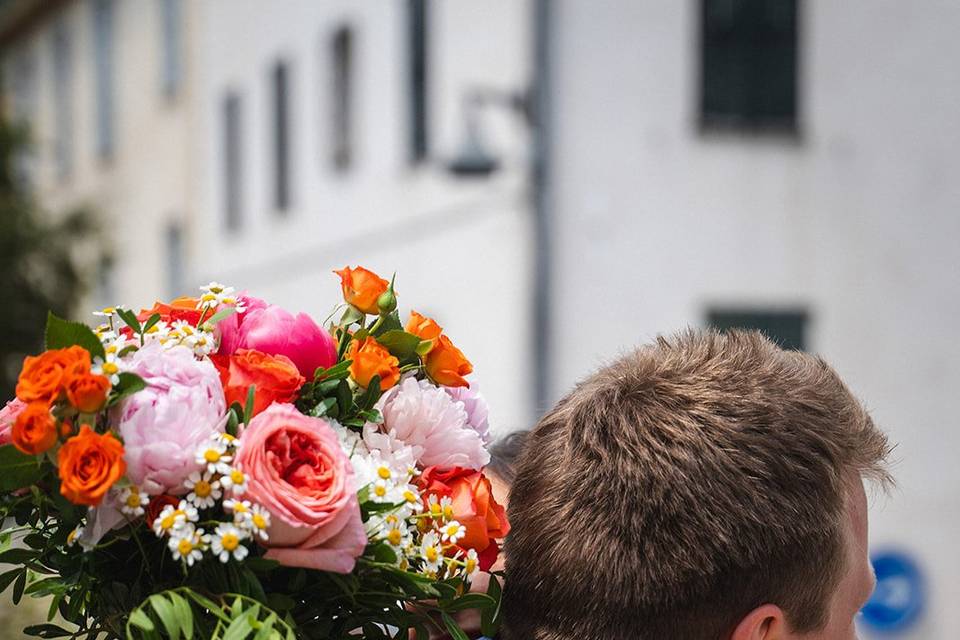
column 168, row 616
column 130, row 319
column 127, row 385
column 226, row 312
column 19, row 586
column 389, row 323
column 452, row 627
column 350, row 315
column 184, row 614
column 47, row 631
column 371, row 395
column 61, row 334
column 151, row 321
column 401, row 344
column 478, row 601
column 490, row 617
column 17, row 470
column 140, row 619
column 248, row 408
column 7, row 578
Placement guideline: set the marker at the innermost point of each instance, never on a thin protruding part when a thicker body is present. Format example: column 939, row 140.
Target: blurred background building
column 556, row 180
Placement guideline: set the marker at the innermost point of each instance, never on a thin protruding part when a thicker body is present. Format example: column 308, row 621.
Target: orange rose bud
column 35, row 430
column 362, row 288
column 370, row 358
column 276, row 378
column 184, row 308
column 423, row 327
column 446, row 365
column 42, row 377
column 87, row 391
column 89, row 465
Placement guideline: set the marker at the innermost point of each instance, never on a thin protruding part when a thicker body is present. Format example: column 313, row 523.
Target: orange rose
column 42, row 377
column 370, row 358
column 361, row 288
column 87, row 391
column 276, row 378
column 89, row 464
column 184, row 308
column 423, row 327
column 473, row 506
column 447, row 365
column 35, row 430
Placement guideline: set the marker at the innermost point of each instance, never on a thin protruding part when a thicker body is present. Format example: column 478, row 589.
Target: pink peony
column 476, row 407
column 163, row 425
column 298, row 472
column 275, row 331
column 8, row 415
column 426, row 418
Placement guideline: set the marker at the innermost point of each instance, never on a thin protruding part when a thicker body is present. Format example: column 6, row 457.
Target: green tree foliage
column 41, row 257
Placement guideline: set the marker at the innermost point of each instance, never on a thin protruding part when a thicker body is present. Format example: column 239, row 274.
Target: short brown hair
column 682, row 486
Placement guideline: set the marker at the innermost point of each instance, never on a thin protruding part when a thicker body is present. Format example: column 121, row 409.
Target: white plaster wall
column 857, row 220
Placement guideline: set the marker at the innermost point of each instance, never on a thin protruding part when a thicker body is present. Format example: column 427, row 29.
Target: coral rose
column 8, row 415
column 361, row 288
column 277, row 332
column 423, row 327
column 163, row 425
column 276, row 378
column 473, row 506
column 184, row 308
column 89, row 465
column 87, row 391
column 35, row 430
column 42, row 377
column 370, row 358
column 446, row 365
column 298, row 471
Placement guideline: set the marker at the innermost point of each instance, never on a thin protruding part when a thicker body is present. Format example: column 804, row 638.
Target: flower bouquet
column 218, row 467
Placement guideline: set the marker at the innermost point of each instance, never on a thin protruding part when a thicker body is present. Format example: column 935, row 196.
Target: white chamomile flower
column 471, row 565
column 431, row 552
column 107, row 367
column 412, row 502
column 225, row 542
column 228, row 440
column 215, row 294
column 241, row 510
column 453, row 531
column 435, row 506
column 395, row 532
column 258, row 522
column 159, row 331
column 74, row 535
column 132, row 501
column 104, row 332
column 107, row 312
column 382, row 491
column 204, row 491
column 214, row 455
column 235, row 481
column 187, row 544
column 173, row 518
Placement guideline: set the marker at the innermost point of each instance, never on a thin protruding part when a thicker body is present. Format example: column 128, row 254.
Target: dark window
column 342, row 96
column 103, row 33
column 63, row 100
column 280, row 81
column 232, row 163
column 417, row 43
column 749, row 64
column 787, row 328
column 170, row 46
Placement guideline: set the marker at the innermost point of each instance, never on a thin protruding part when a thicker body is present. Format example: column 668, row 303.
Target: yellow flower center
column 452, row 530
column 471, row 565
column 230, row 541
column 239, row 507
column 409, row 496
column 237, row 477
column 133, row 500
column 394, row 536
column 259, row 521
column 208, row 297
column 448, row 512
column 111, row 349
column 436, row 510
column 384, row 473
column 108, row 310
column 153, row 329
column 227, row 437
column 211, row 455
column 202, row 489
column 431, row 553
column 184, row 547
column 110, row 368
column 72, row 536
column 380, row 490
column 391, row 519
column 167, row 523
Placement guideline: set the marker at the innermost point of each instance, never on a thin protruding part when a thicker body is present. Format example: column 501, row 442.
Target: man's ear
column 766, row 622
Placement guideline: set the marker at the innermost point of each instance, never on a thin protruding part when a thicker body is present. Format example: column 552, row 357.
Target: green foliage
column 60, row 333
column 17, row 469
column 40, row 268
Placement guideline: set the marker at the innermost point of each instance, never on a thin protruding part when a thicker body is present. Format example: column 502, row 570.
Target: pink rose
column 299, row 473
column 8, row 415
column 275, row 331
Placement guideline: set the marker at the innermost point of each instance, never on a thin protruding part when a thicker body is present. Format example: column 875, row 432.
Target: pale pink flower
column 424, row 417
column 476, row 407
column 162, row 426
column 8, row 415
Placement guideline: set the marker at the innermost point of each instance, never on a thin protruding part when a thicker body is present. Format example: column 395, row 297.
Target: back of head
column 682, row 486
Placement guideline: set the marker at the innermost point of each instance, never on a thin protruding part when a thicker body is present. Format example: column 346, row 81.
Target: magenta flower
column 275, row 331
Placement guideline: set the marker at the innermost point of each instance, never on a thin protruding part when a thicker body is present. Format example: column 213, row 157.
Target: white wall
column 856, row 220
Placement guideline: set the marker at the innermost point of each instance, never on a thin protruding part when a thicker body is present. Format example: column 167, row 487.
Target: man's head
column 704, row 487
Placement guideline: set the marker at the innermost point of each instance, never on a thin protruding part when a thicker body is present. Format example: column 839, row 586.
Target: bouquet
column 217, row 467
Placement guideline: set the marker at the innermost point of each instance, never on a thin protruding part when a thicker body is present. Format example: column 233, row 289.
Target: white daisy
column 187, row 544
column 204, row 492
column 471, row 565
column 107, row 312
column 453, row 531
column 235, row 481
column 107, row 367
column 258, row 523
column 173, row 518
column 226, row 542
column 396, row 533
column 431, row 552
column 241, row 510
column 214, row 455
column 132, row 501
column 215, row 294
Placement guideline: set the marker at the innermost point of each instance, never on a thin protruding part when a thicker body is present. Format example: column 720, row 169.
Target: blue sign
column 899, row 598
